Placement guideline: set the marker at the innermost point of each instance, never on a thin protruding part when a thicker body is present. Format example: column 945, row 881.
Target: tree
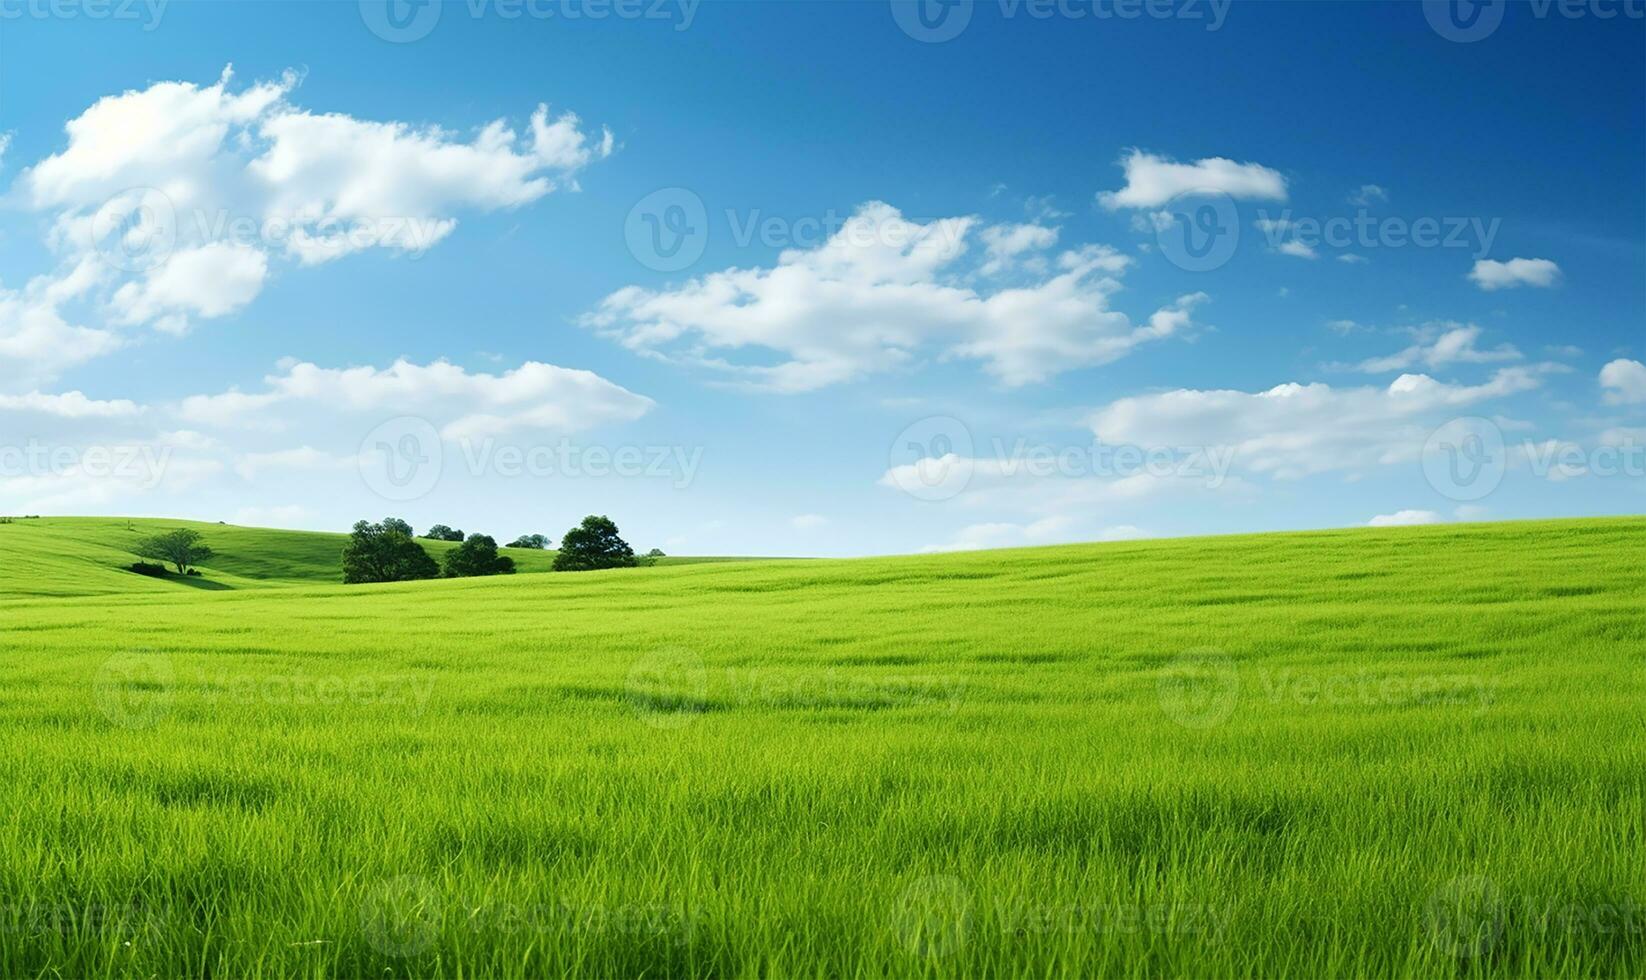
column 539, row 542
column 181, row 549
column 650, row 558
column 385, row 552
column 477, row 556
column 441, row 532
column 396, row 524
column 591, row 545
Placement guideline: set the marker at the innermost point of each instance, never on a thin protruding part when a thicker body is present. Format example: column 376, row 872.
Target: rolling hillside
column 81, row 556
column 1144, row 758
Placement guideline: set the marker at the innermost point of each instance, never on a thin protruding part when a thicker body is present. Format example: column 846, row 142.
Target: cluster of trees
column 388, row 551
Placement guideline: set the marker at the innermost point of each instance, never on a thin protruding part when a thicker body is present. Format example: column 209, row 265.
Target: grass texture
column 1381, row 753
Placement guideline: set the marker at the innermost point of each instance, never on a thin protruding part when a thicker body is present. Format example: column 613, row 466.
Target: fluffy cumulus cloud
column 1152, row 181
column 1624, row 382
column 1296, row 430
column 173, row 204
column 307, row 431
column 885, row 291
column 1492, row 275
column 534, row 396
column 1440, row 345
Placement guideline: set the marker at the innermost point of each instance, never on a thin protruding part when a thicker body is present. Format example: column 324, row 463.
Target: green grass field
column 1388, row 753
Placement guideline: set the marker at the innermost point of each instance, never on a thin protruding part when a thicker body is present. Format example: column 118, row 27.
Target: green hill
column 1381, row 753
column 82, row 556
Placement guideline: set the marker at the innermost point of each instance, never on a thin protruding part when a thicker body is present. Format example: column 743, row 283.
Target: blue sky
column 936, row 281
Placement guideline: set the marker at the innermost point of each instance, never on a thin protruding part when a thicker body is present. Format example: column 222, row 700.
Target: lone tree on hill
column 477, row 556
column 180, row 548
column 591, row 545
column 441, row 532
column 539, row 542
column 385, row 552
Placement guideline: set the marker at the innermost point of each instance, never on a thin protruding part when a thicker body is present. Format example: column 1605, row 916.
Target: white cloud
column 210, row 281
column 1624, row 381
column 878, row 295
column 1122, row 532
column 1152, row 181
column 808, row 522
column 1297, row 249
column 976, row 537
column 302, row 458
column 1404, row 518
column 1005, row 245
column 69, row 405
column 533, row 396
column 1455, row 344
column 1368, row 195
column 1490, row 274
column 1351, row 258
column 170, row 203
column 1296, row 430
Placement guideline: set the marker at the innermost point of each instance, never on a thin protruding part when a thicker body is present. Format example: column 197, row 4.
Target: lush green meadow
column 1403, row 752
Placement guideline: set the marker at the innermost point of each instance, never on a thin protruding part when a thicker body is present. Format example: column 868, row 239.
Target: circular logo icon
column 669, row 688
column 932, row 21
column 667, row 230
column 933, row 916
column 1464, row 917
column 932, row 460
column 1199, row 689
column 1465, row 459
column 1464, row 21
column 135, row 230
column 401, row 459
column 134, row 690
column 401, row 916
column 1198, row 231
column 400, row 21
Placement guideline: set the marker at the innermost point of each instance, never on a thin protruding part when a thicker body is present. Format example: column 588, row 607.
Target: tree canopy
column 181, row 549
column 591, row 545
column 441, row 532
column 385, row 552
column 539, row 542
column 477, row 556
